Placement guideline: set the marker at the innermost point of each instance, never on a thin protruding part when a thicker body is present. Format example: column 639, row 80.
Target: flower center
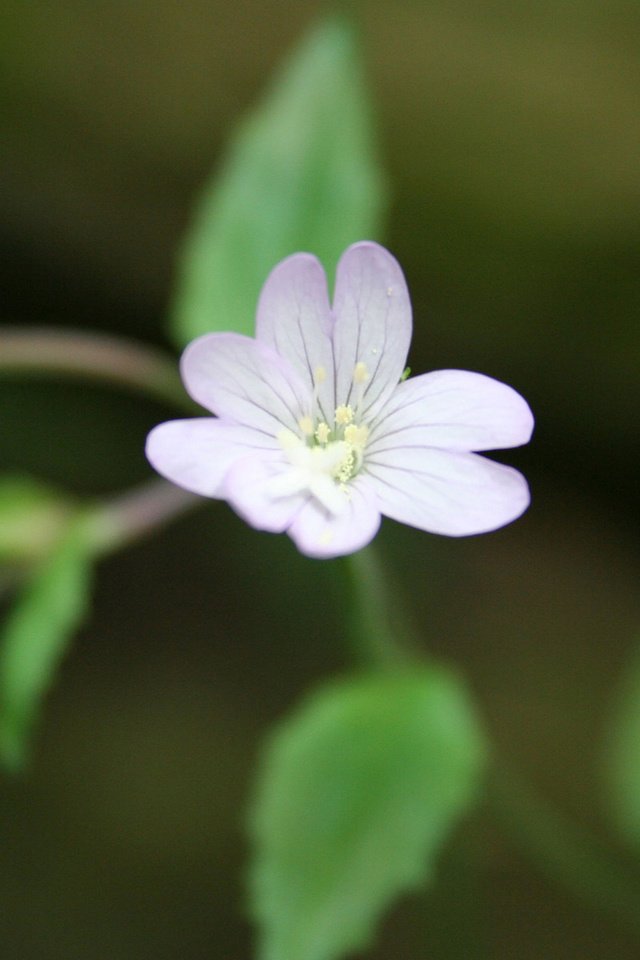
column 326, row 457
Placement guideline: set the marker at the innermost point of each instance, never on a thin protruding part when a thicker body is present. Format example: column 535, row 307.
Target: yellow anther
column 344, row 415
column 356, row 436
column 323, row 432
column 360, row 373
column 319, row 375
column 306, row 425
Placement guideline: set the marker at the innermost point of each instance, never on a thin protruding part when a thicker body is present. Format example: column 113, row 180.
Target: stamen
column 360, row 377
column 306, row 425
column 360, row 373
column 356, row 435
column 323, row 432
column 319, row 377
column 344, row 415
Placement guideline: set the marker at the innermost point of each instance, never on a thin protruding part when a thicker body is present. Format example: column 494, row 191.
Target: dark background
column 510, row 134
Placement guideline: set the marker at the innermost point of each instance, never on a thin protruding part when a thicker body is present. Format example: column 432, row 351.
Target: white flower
column 316, row 434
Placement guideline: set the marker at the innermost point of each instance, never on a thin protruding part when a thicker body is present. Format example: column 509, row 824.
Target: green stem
column 565, row 854
column 379, row 629
column 558, row 848
column 92, row 356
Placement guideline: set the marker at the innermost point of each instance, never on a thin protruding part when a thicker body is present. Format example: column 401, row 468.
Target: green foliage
column 622, row 756
column 35, row 637
column 32, row 516
column 359, row 791
column 298, row 175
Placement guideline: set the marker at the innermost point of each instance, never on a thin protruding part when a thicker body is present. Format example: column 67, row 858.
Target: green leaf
column 32, row 517
column 299, row 174
column 35, row 638
column 622, row 756
column 359, row 791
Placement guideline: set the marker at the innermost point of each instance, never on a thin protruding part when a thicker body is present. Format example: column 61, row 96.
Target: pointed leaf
column 299, row 175
column 35, row 638
column 358, row 794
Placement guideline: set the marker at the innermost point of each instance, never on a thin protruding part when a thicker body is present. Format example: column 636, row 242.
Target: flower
column 317, row 430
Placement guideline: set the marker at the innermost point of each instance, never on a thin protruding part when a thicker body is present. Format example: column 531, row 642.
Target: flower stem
column 123, row 519
column 564, row 853
column 92, row 356
column 379, row 630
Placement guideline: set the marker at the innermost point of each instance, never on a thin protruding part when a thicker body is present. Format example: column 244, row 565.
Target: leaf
column 299, row 175
column 359, row 791
column 622, row 756
column 35, row 638
column 32, row 517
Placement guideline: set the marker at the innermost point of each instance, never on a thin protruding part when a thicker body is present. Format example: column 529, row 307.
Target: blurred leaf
column 35, row 638
column 359, row 792
column 32, row 517
column 299, row 175
column 622, row 756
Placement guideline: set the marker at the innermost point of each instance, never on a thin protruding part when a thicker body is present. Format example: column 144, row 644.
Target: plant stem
column 92, row 356
column 136, row 513
column 379, row 629
column 98, row 357
column 564, row 853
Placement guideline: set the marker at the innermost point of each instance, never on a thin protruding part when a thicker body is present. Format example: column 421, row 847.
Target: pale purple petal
column 244, row 381
column 318, row 533
column 196, row 454
column 373, row 325
column 247, row 487
column 447, row 492
column 295, row 319
column 453, row 410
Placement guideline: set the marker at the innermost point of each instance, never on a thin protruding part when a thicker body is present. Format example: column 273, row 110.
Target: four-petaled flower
column 317, row 431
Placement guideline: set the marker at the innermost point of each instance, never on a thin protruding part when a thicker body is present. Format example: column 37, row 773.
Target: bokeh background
column 511, row 137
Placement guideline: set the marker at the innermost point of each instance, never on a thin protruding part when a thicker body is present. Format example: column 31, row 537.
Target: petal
column 373, row 325
column 318, row 533
column 196, row 454
column 244, row 381
column 294, row 318
column 453, row 410
column 441, row 491
column 247, row 488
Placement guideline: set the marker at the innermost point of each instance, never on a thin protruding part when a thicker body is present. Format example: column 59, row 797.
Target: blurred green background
column 511, row 137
